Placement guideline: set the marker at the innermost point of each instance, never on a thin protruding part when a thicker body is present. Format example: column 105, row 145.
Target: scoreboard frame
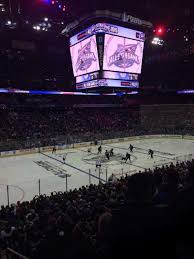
column 117, row 78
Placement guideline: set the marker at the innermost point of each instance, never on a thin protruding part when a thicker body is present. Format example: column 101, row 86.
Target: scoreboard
column 107, row 55
column 107, row 83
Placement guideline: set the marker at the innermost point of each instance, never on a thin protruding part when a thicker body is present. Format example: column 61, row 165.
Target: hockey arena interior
column 96, row 129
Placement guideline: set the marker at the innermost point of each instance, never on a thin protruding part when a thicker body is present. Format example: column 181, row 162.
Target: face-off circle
column 116, row 159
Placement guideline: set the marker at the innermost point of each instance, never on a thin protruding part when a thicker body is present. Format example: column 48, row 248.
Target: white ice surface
column 22, row 173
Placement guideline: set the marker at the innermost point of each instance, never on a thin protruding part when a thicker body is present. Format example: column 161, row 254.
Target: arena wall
column 86, row 144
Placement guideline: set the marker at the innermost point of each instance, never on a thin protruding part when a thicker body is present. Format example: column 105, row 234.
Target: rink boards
column 86, row 144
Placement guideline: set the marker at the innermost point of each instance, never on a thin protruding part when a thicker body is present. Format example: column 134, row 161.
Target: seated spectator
column 139, row 215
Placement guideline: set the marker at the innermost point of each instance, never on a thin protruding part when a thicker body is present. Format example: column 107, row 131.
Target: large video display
column 122, row 54
column 109, row 29
column 107, row 83
column 87, row 77
column 84, row 56
column 119, row 75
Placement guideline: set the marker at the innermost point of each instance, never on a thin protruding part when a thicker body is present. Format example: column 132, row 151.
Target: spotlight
column 160, row 30
column 157, row 41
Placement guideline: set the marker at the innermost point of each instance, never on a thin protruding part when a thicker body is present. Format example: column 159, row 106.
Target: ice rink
column 22, row 173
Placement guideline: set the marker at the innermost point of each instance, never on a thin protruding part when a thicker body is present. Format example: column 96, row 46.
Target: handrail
column 16, row 254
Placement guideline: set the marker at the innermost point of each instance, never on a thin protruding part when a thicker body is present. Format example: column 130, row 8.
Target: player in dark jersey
column 107, row 155
column 64, row 158
column 151, row 153
column 128, row 157
column 131, row 148
column 111, row 152
column 100, row 149
column 54, row 150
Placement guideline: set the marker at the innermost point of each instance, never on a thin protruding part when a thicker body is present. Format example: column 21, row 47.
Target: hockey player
column 54, row 150
column 107, row 155
column 100, row 149
column 111, row 152
column 123, row 158
column 151, row 153
column 131, row 148
column 98, row 164
column 64, row 158
column 128, row 157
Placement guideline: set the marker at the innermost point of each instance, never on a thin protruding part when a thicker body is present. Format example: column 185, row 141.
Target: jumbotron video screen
column 84, row 56
column 107, row 55
column 122, row 54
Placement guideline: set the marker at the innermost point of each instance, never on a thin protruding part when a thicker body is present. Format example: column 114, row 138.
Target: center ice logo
column 85, row 57
column 125, row 56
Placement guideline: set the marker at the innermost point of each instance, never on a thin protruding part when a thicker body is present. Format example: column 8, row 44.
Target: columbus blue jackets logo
column 125, row 56
column 85, row 57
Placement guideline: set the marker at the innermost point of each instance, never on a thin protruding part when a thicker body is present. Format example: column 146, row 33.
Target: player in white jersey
column 98, row 164
column 89, row 150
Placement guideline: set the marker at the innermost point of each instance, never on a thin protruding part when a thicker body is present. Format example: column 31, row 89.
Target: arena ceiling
column 165, row 12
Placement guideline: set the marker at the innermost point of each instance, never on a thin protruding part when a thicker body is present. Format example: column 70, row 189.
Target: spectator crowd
column 148, row 214
column 29, row 128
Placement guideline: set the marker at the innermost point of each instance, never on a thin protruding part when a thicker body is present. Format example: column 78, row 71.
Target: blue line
column 73, row 167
